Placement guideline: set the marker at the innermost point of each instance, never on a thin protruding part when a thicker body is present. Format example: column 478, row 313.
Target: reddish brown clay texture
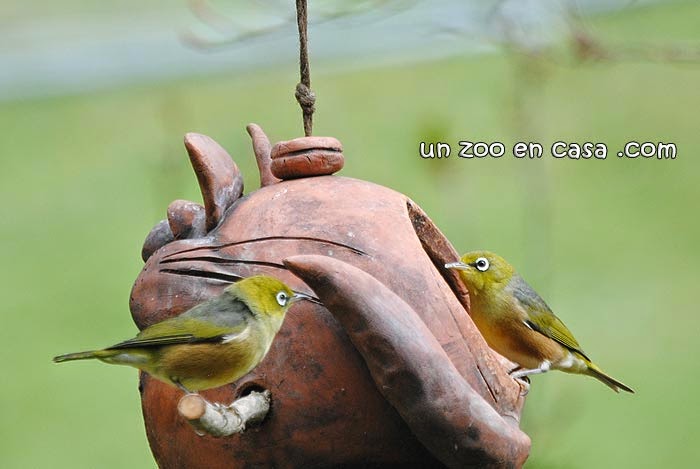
column 186, row 219
column 411, row 369
column 307, row 156
column 215, row 171
column 396, row 375
column 262, row 149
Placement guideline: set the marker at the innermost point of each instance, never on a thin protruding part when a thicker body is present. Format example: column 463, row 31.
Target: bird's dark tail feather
column 609, row 381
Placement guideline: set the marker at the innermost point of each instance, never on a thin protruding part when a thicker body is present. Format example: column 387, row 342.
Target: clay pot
column 386, row 375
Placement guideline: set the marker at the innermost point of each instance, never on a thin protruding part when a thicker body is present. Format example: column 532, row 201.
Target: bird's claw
column 514, row 369
column 221, row 408
column 524, row 383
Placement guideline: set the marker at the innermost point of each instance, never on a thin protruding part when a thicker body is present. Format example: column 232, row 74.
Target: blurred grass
column 611, row 244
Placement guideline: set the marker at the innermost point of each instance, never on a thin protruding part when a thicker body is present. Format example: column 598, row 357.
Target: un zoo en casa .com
column 559, row 149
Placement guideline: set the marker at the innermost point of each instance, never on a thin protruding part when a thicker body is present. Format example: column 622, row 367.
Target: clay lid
column 306, row 157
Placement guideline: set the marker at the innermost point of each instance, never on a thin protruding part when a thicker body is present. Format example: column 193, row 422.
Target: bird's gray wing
column 540, row 316
column 225, row 310
column 214, row 320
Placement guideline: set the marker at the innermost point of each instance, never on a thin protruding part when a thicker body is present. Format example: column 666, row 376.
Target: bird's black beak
column 298, row 296
column 457, row 265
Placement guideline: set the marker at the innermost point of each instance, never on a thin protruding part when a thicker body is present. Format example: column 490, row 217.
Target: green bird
column 518, row 324
column 212, row 344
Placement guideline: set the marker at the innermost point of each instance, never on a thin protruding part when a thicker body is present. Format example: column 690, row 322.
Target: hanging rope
column 305, row 97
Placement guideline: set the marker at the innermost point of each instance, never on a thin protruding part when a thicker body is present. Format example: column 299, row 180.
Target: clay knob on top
column 306, row 157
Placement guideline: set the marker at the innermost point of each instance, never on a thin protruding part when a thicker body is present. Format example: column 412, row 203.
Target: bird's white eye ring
column 282, row 298
column 482, row 264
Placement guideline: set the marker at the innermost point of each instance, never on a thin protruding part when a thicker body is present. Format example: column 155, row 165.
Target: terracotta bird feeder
column 390, row 371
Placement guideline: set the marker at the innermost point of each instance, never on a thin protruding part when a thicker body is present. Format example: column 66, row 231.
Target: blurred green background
column 611, row 245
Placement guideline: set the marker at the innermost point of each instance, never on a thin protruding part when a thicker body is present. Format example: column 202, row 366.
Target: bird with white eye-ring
column 282, row 299
column 518, row 324
column 482, row 264
column 212, row 344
